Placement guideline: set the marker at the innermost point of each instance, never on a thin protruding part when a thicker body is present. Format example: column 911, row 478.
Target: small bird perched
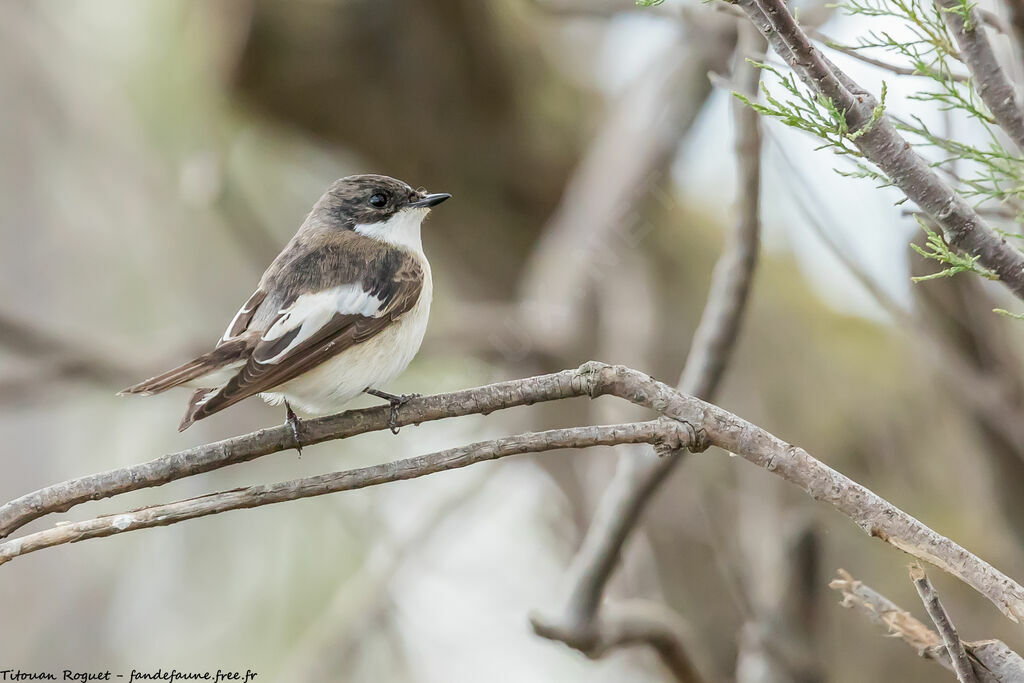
column 341, row 311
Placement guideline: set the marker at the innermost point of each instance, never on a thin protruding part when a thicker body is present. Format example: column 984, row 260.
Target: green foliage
column 814, row 114
column 930, row 41
column 1003, row 311
column 979, row 167
column 936, row 249
column 648, row 3
column 984, row 172
column 963, row 9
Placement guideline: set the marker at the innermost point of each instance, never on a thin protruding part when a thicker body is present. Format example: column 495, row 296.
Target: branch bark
column 991, row 82
column 954, row 647
column 704, row 423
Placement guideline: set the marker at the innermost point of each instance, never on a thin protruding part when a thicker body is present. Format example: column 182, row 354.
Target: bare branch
column 632, row 622
column 731, row 280
column 992, row 660
column 704, row 423
column 255, row 496
column 62, row 497
column 877, row 138
column 635, row 483
column 954, row 648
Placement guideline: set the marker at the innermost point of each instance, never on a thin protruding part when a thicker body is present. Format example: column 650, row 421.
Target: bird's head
column 376, row 206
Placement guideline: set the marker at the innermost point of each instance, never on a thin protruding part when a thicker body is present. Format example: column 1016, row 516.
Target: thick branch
column 990, row 80
column 879, row 141
column 659, row 431
column 954, row 647
column 710, row 425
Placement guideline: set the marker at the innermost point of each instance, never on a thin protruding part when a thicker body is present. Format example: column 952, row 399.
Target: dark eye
column 379, row 200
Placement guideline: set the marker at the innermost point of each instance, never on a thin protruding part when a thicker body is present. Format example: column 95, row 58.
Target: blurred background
column 155, row 156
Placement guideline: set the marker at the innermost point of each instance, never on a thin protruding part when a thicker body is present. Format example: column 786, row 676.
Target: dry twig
column 954, row 647
column 635, row 482
column 992, row 660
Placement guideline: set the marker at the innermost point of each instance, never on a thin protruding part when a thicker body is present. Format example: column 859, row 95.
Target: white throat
column 401, row 230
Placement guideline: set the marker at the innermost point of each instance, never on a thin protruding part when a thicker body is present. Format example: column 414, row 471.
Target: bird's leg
column 396, row 403
column 292, row 420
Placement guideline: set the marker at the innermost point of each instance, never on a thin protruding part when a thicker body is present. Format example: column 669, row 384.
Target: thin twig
column 932, row 604
column 894, row 68
column 733, row 275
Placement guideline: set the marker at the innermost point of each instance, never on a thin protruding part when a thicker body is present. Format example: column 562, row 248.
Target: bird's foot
column 396, row 401
column 292, row 420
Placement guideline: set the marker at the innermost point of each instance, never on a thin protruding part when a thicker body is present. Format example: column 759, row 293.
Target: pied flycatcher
column 341, row 311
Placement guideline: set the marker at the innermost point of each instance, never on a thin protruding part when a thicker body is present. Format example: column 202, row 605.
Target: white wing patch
column 310, row 312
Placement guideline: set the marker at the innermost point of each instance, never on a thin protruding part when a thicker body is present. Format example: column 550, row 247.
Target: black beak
column 431, row 200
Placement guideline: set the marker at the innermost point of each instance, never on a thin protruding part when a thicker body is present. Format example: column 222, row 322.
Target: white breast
column 374, row 363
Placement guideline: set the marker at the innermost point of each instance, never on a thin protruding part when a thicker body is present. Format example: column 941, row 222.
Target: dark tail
column 230, row 352
column 199, row 397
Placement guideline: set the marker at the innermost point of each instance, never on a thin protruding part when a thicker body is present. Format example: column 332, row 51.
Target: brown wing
column 288, row 349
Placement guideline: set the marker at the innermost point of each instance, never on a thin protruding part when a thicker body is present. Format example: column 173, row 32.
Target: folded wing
column 315, row 327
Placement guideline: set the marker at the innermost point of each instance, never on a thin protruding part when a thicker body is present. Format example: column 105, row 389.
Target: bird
column 341, row 311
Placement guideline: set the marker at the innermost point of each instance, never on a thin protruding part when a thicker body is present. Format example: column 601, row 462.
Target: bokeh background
column 155, row 156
